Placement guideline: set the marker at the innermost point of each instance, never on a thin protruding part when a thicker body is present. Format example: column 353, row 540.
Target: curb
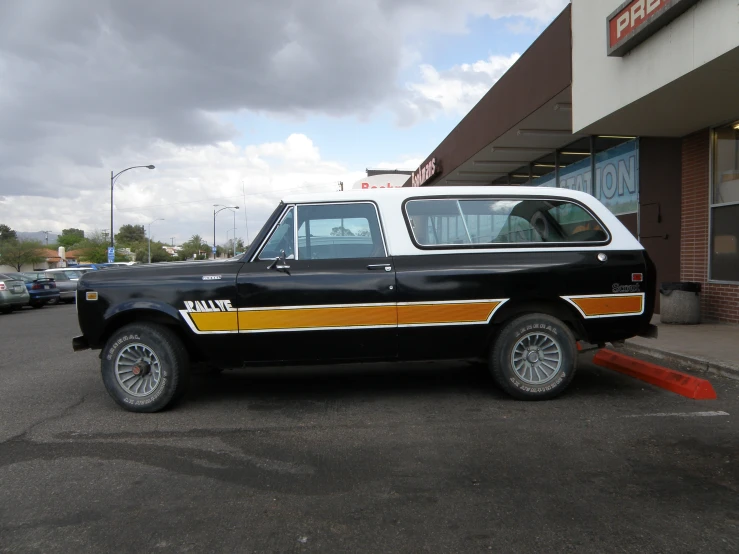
column 688, row 363
column 669, row 379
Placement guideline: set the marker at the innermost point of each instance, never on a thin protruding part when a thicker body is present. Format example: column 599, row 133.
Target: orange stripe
column 418, row 314
column 215, row 321
column 301, row 318
column 610, row 305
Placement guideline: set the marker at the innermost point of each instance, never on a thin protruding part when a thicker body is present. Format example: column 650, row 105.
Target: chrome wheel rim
column 138, row 369
column 536, row 358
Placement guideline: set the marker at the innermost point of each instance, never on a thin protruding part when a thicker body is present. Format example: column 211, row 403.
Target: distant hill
column 38, row 235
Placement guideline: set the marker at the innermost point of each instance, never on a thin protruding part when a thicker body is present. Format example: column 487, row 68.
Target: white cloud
column 89, row 86
column 452, row 92
column 184, row 188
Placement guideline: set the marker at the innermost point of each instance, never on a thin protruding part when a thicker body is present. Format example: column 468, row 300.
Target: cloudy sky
column 234, row 101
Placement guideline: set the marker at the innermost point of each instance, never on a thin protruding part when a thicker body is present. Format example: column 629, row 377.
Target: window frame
column 295, row 228
column 712, row 205
column 504, row 245
column 276, row 224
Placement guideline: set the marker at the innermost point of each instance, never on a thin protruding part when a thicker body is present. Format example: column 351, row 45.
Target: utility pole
column 341, row 186
column 113, row 177
column 172, row 239
column 47, row 236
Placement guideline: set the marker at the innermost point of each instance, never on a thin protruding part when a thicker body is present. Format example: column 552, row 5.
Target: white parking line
column 685, row 414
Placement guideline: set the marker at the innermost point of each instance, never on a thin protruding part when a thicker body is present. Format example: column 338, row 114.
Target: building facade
column 635, row 103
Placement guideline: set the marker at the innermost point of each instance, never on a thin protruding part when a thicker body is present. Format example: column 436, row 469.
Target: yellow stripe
column 610, row 305
column 348, row 316
column 301, row 318
column 215, row 321
column 420, row 314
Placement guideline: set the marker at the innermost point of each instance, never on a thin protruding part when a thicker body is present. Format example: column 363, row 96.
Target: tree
column 130, row 235
column 70, row 238
column 228, row 248
column 341, row 232
column 18, row 253
column 6, row 233
column 95, row 249
column 191, row 248
column 158, row 253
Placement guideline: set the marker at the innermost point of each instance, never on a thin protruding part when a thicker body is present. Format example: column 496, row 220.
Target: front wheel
column 145, row 367
column 534, row 357
column 37, row 305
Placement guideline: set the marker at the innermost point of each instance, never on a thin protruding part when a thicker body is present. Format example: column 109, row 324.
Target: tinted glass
column 339, row 231
column 517, row 221
column 725, row 243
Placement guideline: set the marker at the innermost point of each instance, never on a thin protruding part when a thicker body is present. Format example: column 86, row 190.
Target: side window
column 283, row 238
column 451, row 222
column 339, row 231
column 576, row 224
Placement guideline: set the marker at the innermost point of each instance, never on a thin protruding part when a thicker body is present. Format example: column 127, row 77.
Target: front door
column 332, row 295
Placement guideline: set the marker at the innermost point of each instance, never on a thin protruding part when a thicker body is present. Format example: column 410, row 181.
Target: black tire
column 538, row 377
column 53, row 302
column 173, row 367
column 37, row 305
column 6, row 309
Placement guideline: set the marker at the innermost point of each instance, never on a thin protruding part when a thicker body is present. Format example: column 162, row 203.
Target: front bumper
column 80, row 343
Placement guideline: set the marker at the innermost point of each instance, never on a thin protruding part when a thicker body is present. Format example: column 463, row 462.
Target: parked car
column 65, row 280
column 41, row 290
column 13, row 294
column 513, row 276
column 72, row 272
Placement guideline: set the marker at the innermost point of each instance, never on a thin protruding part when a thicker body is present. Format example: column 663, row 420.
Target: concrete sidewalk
column 705, row 348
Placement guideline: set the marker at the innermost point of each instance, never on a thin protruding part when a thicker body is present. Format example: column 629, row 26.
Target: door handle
column 386, row 267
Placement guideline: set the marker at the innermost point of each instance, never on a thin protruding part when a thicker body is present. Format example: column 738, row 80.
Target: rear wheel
column 53, row 301
column 145, row 367
column 534, row 357
column 37, row 305
column 6, row 309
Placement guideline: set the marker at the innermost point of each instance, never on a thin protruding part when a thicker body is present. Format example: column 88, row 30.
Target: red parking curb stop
column 671, row 380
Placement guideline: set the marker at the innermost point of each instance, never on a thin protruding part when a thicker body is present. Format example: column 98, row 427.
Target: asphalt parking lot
column 428, row 458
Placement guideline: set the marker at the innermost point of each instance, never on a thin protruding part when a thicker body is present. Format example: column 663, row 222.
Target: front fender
column 135, row 310
column 139, row 304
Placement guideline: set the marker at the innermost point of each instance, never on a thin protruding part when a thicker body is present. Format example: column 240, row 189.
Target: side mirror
column 279, row 263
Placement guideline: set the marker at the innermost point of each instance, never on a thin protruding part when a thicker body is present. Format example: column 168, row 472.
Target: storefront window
column 617, row 177
column 726, row 164
column 725, row 205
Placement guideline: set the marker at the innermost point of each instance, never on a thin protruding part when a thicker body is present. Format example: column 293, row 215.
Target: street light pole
column 150, row 237
column 113, row 177
column 215, row 212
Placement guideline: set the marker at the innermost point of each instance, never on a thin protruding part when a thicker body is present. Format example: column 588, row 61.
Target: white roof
column 400, row 194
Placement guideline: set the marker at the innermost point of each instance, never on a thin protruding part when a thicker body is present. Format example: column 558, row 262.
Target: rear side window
column 470, row 222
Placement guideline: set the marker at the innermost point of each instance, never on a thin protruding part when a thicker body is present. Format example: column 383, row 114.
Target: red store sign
column 636, row 20
column 426, row 172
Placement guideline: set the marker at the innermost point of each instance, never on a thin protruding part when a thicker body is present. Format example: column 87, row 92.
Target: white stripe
column 292, row 329
column 685, row 414
column 434, row 302
column 316, row 306
column 379, row 304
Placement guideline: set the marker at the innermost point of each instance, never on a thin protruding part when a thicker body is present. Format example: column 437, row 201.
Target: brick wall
column 718, row 302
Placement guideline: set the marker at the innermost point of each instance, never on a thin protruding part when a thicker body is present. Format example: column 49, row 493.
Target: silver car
column 13, row 294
